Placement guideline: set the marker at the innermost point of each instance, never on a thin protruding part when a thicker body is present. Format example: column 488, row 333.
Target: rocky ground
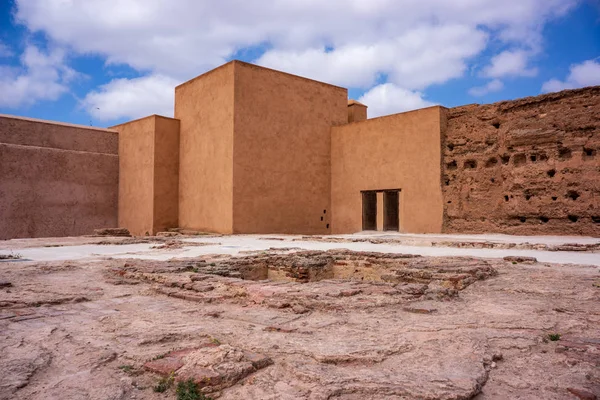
column 289, row 324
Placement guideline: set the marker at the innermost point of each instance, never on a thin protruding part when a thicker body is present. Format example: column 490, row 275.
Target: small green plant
column 554, row 336
column 514, row 262
column 188, row 390
column 158, row 357
column 212, row 264
column 126, row 368
column 165, row 383
column 215, row 341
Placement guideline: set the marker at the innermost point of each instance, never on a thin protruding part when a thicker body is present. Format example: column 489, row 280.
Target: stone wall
column 56, row 179
column 529, row 166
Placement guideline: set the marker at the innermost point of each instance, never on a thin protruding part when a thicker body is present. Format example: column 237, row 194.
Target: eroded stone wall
column 529, row 166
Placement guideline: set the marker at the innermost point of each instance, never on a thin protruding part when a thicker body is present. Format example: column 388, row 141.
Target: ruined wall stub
column 529, row 166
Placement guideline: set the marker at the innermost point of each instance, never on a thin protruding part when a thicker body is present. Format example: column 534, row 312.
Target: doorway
column 391, row 218
column 369, row 211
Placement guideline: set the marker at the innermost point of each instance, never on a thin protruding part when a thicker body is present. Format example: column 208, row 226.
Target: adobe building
column 253, row 150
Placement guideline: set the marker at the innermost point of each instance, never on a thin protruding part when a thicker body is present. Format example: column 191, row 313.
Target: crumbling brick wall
column 529, row 166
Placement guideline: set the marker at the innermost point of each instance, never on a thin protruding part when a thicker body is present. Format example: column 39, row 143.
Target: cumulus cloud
column 580, row 75
column 492, row 86
column 411, row 60
column 41, row 76
column 389, row 98
column 132, row 98
column 412, row 43
column 510, row 63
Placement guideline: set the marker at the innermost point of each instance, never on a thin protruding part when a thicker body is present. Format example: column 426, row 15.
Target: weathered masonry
column 253, row 150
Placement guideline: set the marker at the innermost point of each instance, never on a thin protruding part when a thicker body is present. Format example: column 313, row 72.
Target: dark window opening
column 527, row 197
column 551, row 173
column 450, row 146
column 452, row 165
column 573, row 218
column 554, row 198
column 596, row 219
column 391, row 217
column 324, row 211
column 505, row 198
column 522, row 219
column 544, row 219
column 492, row 180
column 327, row 226
column 321, row 218
column 496, row 125
column 369, row 218
column 533, row 157
column 505, row 159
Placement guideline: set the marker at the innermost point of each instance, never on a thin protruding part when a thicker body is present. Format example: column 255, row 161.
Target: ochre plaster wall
column 282, row 144
column 56, row 179
column 149, row 174
column 136, row 177
column 530, row 166
column 400, row 151
column 204, row 107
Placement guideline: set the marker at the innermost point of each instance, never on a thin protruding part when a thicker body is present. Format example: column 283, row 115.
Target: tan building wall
column 148, row 180
column 400, row 151
column 56, row 179
column 282, row 151
column 204, row 106
column 528, row 166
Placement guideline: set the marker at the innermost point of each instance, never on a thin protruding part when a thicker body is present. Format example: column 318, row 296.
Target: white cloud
column 132, row 98
column 580, row 75
column 492, row 86
column 510, row 63
column 41, row 76
column 411, row 60
column 413, row 43
column 389, row 98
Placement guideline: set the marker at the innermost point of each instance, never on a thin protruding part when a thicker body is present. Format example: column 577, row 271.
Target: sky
column 103, row 62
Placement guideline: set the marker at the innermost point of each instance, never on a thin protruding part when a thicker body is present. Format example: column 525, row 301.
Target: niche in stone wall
column 470, row 164
column 451, row 165
column 519, row 160
column 492, row 162
column 505, row 159
column 564, row 153
column 573, row 194
column 588, row 153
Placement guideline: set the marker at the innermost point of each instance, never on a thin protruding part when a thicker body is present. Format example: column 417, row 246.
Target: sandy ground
column 289, row 317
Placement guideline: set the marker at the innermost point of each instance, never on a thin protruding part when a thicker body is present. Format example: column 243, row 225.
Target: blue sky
column 101, row 62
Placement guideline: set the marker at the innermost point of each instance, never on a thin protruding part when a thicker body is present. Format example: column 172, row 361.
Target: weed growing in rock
column 188, row 390
column 164, row 384
column 554, row 336
column 126, row 368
